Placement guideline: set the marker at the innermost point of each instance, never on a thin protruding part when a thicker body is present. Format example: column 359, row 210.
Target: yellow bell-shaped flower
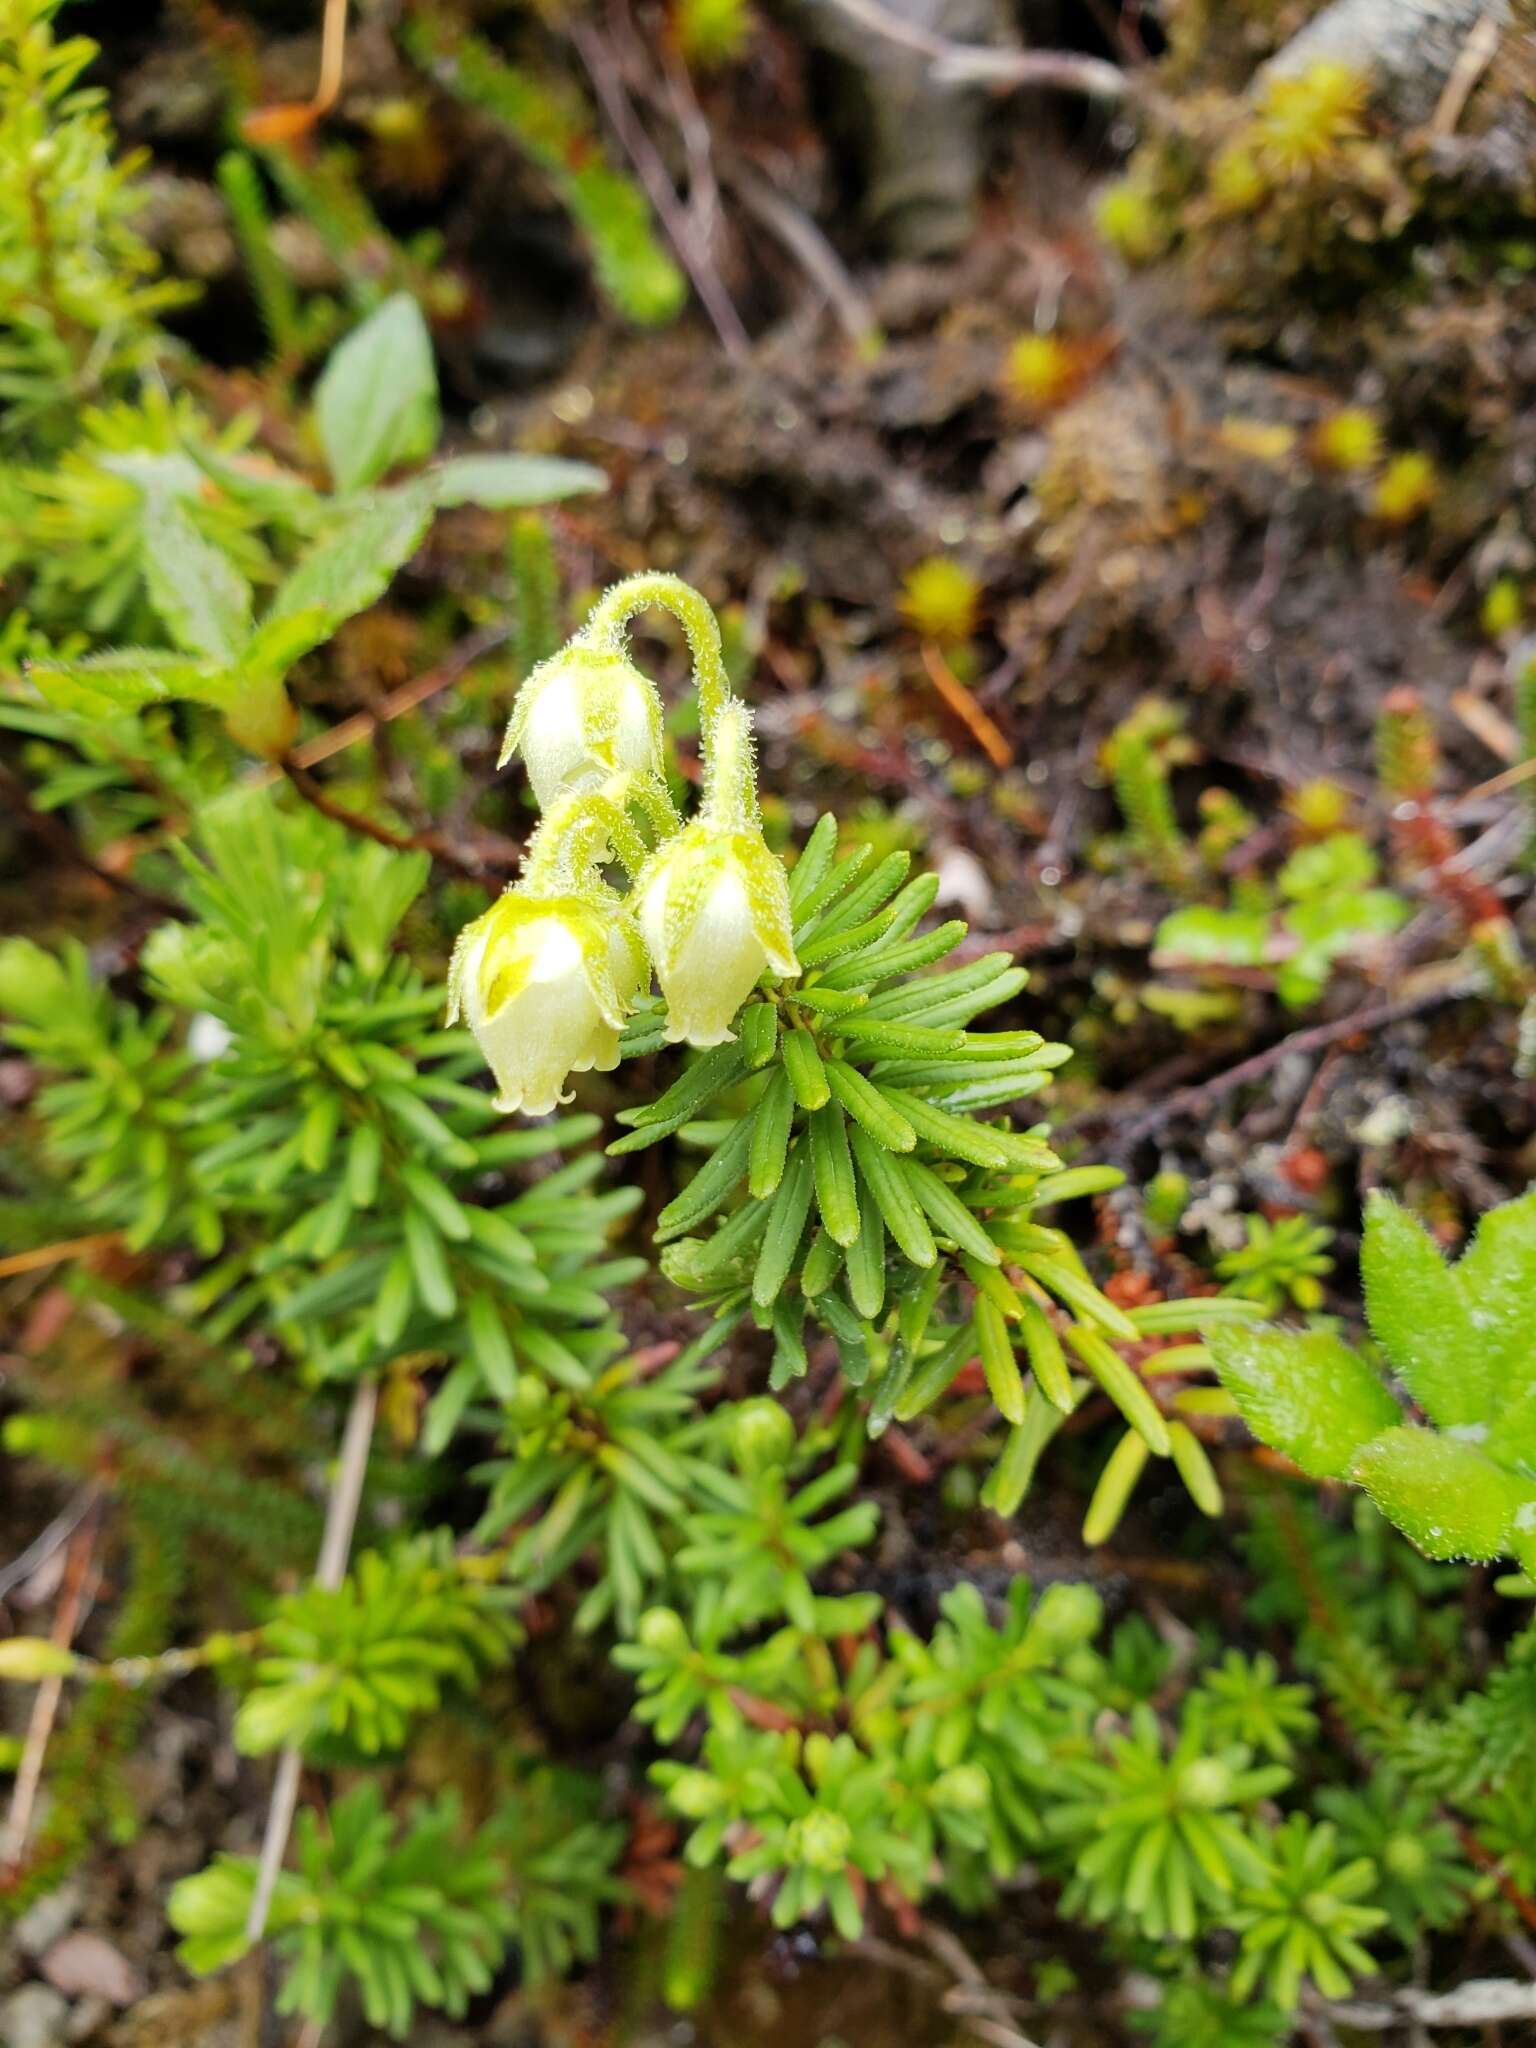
column 713, row 902
column 713, row 908
column 545, row 983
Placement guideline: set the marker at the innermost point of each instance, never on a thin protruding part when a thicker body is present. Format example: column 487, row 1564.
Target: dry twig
column 595, row 54
column 73, row 1600
column 1204, row 1095
column 972, row 64
column 981, row 727
column 330, row 1567
column 314, row 794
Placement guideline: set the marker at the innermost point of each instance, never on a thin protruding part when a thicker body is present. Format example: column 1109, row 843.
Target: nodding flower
column 713, row 908
column 583, row 717
column 545, row 983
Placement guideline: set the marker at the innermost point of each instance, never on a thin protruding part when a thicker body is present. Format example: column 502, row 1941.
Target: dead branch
column 593, row 49
column 1007, row 70
column 330, row 1567
column 73, row 1600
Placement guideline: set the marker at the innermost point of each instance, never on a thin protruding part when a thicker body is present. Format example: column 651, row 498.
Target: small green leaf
column 716, row 1069
column 866, row 1258
column 1443, row 1494
column 713, row 1184
column 786, row 1222
column 946, row 1212
column 1047, row 1360
column 867, row 1105
column 347, row 569
column 807, row 1075
column 1124, row 1386
column 823, row 1263
column 1117, row 1482
column 1195, row 1468
column 815, row 862
column 1497, row 1279
column 1005, row 1383
column 1073, row 1287
column 1010, row 1478
column 376, row 398
column 897, row 1204
column 757, row 1030
column 126, row 679
column 957, row 1137
column 771, row 1122
column 429, row 1264
column 836, row 1195
column 490, row 1346
column 1305, row 1393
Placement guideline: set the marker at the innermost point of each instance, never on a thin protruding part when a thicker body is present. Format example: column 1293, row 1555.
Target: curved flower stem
column 579, row 833
column 613, row 612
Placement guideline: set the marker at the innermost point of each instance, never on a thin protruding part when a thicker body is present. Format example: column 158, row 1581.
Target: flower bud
column 1206, row 1782
column 963, row 1788
column 661, row 1629
column 713, row 907
column 821, row 1840
column 1066, row 1616
column 696, row 1794
column 545, row 983
column 582, row 717
column 762, row 1436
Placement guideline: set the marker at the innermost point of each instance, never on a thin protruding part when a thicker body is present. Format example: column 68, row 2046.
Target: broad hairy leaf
column 1443, row 1493
column 376, row 399
column 1422, row 1318
column 1305, row 1393
column 202, row 598
column 127, row 679
column 1497, row 1279
column 349, row 568
column 511, row 480
column 1230, row 937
